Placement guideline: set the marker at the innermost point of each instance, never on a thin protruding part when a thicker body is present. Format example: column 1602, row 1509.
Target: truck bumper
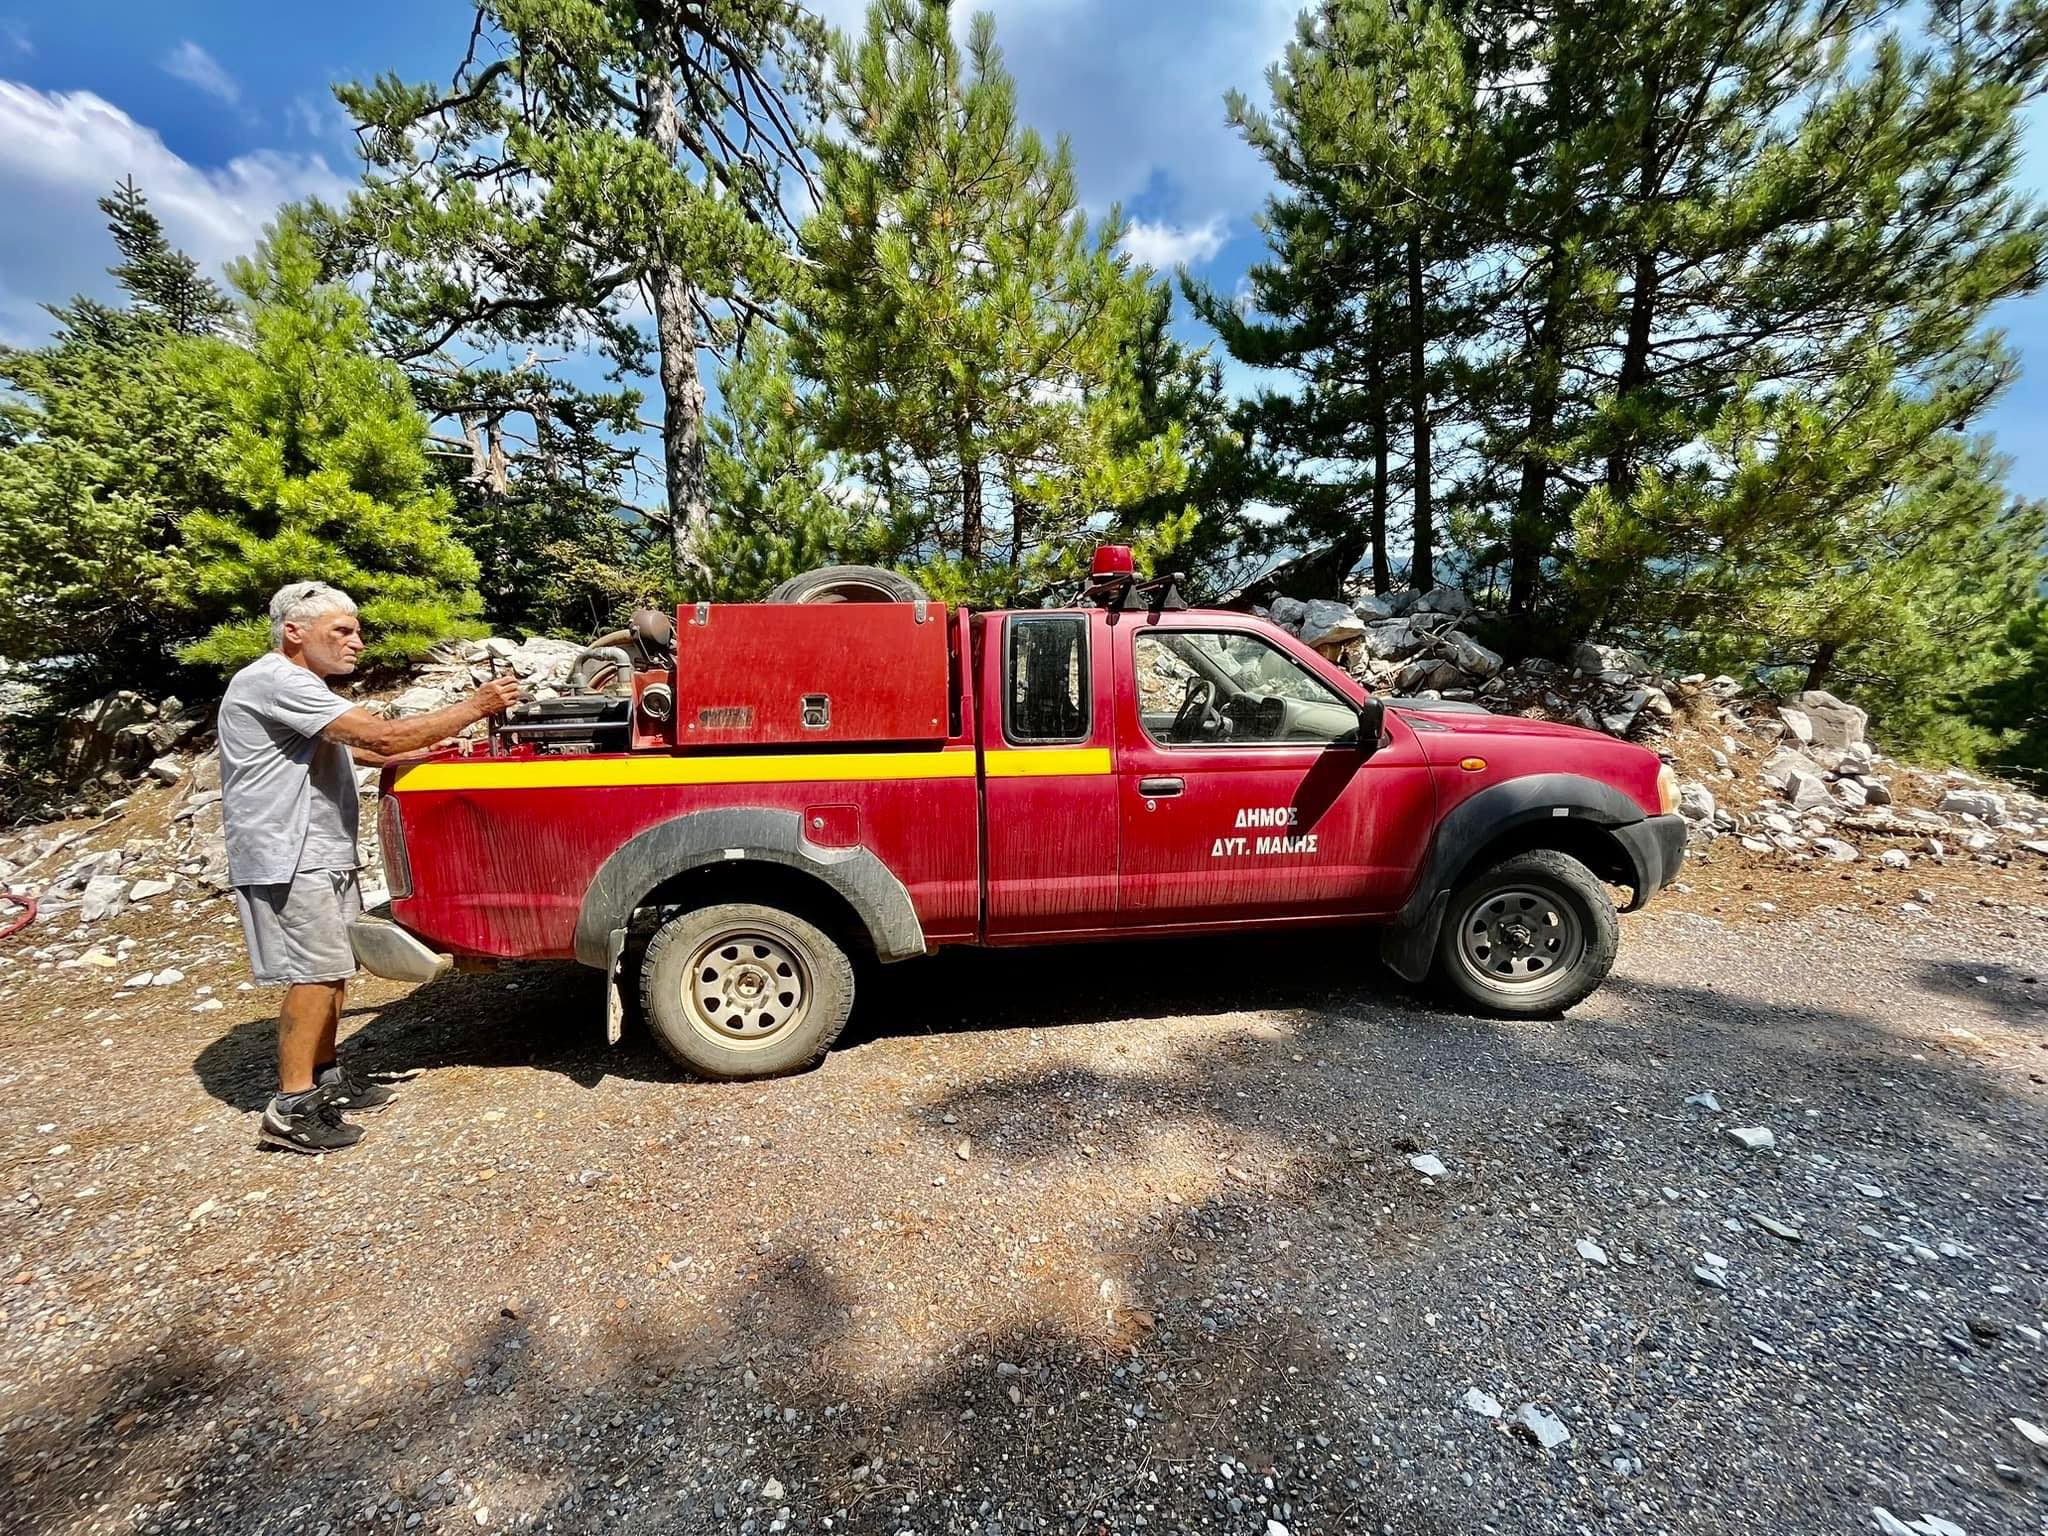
column 385, row 949
column 1656, row 846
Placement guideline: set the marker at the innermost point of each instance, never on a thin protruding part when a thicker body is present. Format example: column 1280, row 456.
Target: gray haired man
column 288, row 748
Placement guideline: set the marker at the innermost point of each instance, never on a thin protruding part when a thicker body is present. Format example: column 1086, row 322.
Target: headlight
column 1667, row 790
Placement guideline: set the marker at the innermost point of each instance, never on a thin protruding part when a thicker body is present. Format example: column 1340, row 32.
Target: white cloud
column 1163, row 247
column 195, row 66
column 1138, row 90
column 60, row 152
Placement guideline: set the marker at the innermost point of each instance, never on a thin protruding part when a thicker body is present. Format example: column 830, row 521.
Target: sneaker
column 351, row 1094
column 311, row 1123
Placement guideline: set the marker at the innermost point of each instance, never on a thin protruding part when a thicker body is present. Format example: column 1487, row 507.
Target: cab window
column 1047, row 695
column 1221, row 688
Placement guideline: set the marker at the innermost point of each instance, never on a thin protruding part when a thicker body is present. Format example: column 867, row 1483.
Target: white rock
column 1288, row 612
column 1428, row 1164
column 1934, row 1525
column 1275, row 1528
column 1705, row 1101
column 1445, row 600
column 1708, row 1274
column 1776, row 1227
column 105, row 896
column 1592, row 1252
column 1807, row 790
column 1834, row 724
column 2033, row 1433
column 166, row 770
column 1468, row 655
column 1695, row 802
column 1852, row 793
column 1478, row 1402
column 142, row 890
column 169, row 978
column 1327, row 623
column 1799, row 723
column 140, row 979
column 1836, row 849
column 1981, row 803
column 1757, row 1138
column 1547, row 1431
column 771, row 1490
column 211, row 1005
column 1890, row 1524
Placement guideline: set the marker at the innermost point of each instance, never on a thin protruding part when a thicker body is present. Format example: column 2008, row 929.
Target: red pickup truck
column 740, row 805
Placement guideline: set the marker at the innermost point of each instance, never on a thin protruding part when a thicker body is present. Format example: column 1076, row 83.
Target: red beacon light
column 1113, row 582
column 1111, row 560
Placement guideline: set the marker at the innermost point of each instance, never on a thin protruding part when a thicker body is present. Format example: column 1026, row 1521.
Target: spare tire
column 847, row 584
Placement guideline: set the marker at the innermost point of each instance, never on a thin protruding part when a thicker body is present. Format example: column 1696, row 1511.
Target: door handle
column 1159, row 789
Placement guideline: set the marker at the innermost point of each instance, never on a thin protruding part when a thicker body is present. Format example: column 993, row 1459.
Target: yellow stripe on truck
column 778, row 768
column 1049, row 763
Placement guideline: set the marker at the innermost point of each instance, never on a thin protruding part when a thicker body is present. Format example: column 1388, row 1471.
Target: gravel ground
column 1097, row 1240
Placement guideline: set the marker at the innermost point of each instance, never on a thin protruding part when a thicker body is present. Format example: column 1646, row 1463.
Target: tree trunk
column 970, row 495
column 1376, row 427
column 1421, row 571
column 1529, row 526
column 1823, row 663
column 1642, row 303
column 670, row 295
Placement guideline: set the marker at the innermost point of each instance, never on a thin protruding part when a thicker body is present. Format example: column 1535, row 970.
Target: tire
column 1529, row 936
column 716, row 982
column 847, row 584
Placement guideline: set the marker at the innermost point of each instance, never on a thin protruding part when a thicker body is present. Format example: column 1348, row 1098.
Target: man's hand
column 495, row 697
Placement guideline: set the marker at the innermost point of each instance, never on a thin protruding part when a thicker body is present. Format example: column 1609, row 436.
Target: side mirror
column 1372, row 719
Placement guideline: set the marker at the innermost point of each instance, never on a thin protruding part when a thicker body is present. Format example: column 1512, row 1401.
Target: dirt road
column 1092, row 1240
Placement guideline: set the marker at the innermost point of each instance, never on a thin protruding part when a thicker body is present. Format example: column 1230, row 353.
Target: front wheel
column 1531, row 935
column 742, row 990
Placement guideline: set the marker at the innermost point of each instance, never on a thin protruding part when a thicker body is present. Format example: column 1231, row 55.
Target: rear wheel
column 742, row 990
column 847, row 584
column 1531, row 935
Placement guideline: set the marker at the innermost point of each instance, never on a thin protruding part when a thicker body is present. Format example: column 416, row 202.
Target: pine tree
column 965, row 334
column 319, row 472
column 1387, row 173
column 101, row 434
column 590, row 155
column 163, row 282
column 775, row 511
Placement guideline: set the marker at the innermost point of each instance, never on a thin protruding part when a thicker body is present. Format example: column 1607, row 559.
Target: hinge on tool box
column 917, row 608
column 702, row 615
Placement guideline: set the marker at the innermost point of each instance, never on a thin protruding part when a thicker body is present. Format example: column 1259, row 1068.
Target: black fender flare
column 743, row 833
column 1409, row 943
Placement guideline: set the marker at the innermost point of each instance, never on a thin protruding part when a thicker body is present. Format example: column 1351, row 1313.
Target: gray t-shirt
column 287, row 798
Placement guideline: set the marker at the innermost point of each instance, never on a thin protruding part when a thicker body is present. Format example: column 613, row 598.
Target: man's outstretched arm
column 358, row 728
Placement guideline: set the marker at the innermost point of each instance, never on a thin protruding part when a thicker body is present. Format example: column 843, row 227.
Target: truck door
column 1049, row 786
column 1242, row 792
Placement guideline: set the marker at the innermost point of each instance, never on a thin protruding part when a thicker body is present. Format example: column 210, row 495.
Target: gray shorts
column 299, row 931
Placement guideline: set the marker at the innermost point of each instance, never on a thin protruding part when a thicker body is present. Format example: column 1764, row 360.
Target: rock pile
column 451, row 671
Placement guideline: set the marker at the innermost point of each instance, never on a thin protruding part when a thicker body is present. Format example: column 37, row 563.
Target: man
column 288, row 748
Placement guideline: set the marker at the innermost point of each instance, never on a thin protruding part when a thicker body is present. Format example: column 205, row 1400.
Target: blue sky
column 221, row 111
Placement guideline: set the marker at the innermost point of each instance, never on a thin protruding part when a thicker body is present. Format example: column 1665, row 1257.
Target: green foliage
column 2013, row 709
column 775, row 511
column 967, row 337
column 100, row 437
column 319, row 472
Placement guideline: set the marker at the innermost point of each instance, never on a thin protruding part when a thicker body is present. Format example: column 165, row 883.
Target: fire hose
column 14, row 925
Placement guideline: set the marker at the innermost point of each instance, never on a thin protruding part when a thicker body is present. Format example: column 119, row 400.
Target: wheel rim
column 748, row 987
column 1522, row 936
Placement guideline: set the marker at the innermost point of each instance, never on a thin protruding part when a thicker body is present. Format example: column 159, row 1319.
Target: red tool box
column 811, row 674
